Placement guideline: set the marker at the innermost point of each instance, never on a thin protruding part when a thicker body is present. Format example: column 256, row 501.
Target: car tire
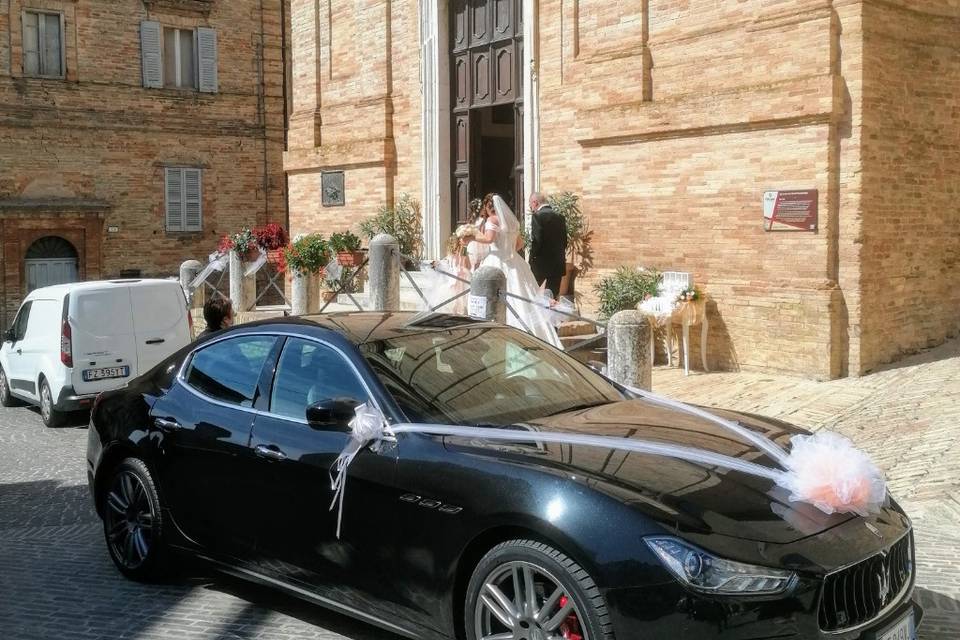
column 6, row 398
column 50, row 416
column 565, row 599
column 133, row 524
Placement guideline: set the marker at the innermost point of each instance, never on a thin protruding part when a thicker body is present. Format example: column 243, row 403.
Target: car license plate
column 105, row 373
column 903, row 629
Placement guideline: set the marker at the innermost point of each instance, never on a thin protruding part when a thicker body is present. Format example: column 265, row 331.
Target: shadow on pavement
column 941, row 615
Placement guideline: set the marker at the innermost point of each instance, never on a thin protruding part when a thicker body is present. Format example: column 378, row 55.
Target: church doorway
column 486, row 54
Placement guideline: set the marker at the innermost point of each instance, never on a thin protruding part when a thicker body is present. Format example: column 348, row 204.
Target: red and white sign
column 790, row 210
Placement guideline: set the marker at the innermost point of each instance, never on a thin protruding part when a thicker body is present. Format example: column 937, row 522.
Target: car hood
column 683, row 495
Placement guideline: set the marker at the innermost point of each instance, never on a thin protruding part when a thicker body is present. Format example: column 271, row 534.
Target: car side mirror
column 9, row 335
column 332, row 414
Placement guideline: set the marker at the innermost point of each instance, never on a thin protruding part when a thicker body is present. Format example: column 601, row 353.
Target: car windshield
column 477, row 376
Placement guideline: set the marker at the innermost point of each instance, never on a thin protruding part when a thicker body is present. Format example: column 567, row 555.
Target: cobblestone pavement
column 906, row 417
column 56, row 580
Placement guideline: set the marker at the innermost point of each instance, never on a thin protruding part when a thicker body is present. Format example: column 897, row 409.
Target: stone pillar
column 243, row 291
column 487, row 283
column 628, row 349
column 384, row 281
column 304, row 293
column 188, row 271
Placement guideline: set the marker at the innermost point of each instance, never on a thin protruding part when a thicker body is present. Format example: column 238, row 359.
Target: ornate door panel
column 486, row 64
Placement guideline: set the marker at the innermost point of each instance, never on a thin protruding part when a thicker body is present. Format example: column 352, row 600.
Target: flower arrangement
column 271, row 237
column 308, row 254
column 689, row 295
column 242, row 242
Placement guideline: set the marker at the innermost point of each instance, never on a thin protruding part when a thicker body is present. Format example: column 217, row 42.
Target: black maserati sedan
column 224, row 452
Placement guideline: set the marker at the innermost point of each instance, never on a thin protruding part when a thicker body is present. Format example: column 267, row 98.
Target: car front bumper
column 668, row 612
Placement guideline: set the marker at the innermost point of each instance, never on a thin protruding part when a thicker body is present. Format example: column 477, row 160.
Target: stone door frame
column 435, row 129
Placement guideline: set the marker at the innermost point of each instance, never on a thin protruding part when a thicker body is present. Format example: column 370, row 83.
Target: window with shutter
column 150, row 54
column 192, row 198
column 184, row 199
column 42, row 44
column 207, row 59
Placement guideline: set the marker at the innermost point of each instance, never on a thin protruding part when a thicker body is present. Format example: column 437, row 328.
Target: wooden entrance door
column 486, row 57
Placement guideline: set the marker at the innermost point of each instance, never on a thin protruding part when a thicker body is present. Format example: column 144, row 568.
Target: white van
column 69, row 342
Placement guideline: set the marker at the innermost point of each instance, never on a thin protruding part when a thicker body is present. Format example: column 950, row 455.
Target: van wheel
column 6, row 399
column 51, row 417
column 133, row 522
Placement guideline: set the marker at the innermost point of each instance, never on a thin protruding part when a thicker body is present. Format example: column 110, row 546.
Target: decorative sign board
column 477, row 307
column 331, row 189
column 790, row 210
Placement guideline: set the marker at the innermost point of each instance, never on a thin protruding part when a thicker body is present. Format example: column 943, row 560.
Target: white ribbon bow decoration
column 367, row 426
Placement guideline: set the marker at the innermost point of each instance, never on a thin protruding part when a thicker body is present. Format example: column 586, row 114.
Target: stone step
column 576, row 328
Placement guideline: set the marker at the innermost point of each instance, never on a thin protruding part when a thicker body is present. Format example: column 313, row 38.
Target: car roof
column 60, row 290
column 360, row 327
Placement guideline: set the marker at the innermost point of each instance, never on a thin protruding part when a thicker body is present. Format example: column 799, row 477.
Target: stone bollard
column 188, row 271
column 243, row 291
column 384, row 281
column 485, row 300
column 304, row 293
column 628, row 349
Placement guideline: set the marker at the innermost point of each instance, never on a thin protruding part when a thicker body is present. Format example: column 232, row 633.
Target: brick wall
column 99, row 136
column 911, row 173
column 671, row 118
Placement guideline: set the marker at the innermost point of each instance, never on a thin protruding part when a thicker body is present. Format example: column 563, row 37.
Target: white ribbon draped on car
column 823, row 469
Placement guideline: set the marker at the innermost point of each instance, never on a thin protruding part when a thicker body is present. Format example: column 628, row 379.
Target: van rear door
column 159, row 321
column 104, row 347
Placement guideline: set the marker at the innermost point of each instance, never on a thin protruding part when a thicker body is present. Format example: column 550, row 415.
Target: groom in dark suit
column 548, row 247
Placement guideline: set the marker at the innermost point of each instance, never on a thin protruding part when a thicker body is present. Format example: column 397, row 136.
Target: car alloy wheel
column 129, row 517
column 521, row 601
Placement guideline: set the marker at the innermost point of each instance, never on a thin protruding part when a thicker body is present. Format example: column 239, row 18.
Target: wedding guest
column 443, row 286
column 548, row 244
column 218, row 313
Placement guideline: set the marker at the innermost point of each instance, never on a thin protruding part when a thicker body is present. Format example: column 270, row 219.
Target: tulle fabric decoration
column 440, row 286
column 827, row 471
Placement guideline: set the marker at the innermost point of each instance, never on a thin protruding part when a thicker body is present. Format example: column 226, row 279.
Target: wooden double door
column 486, row 58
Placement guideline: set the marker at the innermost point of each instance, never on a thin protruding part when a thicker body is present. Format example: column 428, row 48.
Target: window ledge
column 182, row 6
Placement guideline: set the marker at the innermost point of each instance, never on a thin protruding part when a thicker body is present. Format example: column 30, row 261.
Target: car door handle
column 19, row 352
column 270, row 453
column 155, row 341
column 167, row 425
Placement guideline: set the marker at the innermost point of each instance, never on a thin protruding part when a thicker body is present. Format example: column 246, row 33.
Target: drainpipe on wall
column 286, row 109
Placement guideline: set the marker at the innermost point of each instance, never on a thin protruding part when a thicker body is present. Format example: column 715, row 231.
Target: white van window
column 45, row 318
column 20, row 323
column 103, row 313
column 157, row 309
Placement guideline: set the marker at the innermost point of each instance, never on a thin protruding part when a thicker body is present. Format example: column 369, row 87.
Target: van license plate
column 105, row 373
column 902, row 630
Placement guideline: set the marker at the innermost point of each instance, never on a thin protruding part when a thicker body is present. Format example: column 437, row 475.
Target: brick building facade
column 134, row 133
column 670, row 118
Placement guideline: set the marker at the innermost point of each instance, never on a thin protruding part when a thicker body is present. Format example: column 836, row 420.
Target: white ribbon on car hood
column 823, row 469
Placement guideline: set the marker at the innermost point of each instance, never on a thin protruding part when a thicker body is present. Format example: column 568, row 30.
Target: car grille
column 859, row 593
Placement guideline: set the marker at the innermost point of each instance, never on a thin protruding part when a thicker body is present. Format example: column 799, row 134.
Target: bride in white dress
column 502, row 232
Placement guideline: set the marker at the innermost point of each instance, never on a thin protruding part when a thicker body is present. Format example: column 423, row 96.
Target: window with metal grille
column 184, row 199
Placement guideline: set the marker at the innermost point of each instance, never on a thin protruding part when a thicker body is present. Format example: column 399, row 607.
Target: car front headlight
column 706, row 572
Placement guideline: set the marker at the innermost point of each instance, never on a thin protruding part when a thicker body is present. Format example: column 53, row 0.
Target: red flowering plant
column 271, row 237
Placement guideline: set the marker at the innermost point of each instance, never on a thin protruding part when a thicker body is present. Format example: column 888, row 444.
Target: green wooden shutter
column 151, row 57
column 174, row 198
column 31, row 44
column 192, row 200
column 207, row 60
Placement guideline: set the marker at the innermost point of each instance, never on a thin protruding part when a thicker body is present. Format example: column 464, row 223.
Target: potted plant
column 273, row 239
column 579, row 254
column 243, row 242
column 308, row 254
column 625, row 289
column 403, row 222
column 347, row 247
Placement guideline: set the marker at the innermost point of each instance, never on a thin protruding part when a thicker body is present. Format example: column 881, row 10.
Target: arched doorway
column 48, row 261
